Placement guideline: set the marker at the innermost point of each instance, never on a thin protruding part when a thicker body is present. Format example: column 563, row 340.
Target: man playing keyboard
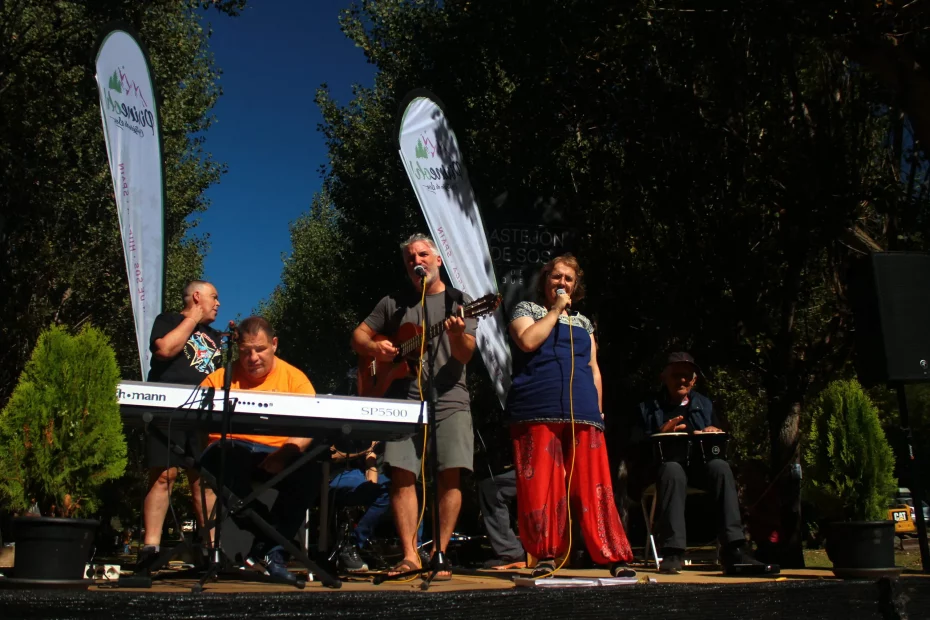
column 257, row 458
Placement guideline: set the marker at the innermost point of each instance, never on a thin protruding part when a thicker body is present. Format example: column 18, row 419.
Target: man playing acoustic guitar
column 453, row 345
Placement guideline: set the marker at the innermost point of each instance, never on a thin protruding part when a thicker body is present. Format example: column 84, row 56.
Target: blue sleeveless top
column 540, row 388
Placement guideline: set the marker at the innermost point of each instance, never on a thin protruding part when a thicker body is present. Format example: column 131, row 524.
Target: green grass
column 909, row 559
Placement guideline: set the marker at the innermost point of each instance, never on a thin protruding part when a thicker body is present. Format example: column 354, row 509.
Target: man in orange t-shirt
column 257, row 458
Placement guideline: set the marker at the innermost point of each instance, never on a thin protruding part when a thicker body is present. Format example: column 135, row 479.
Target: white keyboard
column 270, row 413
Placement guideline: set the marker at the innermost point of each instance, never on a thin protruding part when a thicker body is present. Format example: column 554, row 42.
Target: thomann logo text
column 123, row 395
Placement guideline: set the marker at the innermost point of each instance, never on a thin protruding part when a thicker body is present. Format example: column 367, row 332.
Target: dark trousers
column 351, row 488
column 493, row 495
column 295, row 491
column 716, row 478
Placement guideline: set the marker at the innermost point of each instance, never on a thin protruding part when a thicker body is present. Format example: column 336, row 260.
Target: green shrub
column 849, row 466
column 61, row 435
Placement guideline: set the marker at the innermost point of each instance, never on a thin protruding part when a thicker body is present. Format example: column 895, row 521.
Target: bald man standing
column 185, row 349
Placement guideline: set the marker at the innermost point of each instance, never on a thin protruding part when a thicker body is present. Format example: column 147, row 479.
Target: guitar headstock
column 481, row 306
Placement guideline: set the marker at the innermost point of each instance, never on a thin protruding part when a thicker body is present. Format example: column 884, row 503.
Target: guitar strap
column 453, row 296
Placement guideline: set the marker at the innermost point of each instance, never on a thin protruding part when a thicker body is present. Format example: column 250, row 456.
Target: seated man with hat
column 677, row 408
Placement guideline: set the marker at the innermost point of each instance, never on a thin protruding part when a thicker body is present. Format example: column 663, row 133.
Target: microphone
column 420, row 270
column 560, row 291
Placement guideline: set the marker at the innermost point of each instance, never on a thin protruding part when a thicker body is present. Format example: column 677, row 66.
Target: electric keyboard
column 188, row 407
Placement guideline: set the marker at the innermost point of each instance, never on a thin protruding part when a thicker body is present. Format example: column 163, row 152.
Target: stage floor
column 487, row 580
column 694, row 594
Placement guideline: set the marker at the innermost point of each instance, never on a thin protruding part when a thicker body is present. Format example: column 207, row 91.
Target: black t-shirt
column 199, row 357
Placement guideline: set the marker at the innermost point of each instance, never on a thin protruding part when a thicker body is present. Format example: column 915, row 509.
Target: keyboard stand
column 241, row 506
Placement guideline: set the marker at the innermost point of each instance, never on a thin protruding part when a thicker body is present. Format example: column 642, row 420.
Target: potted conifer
column 849, row 476
column 61, row 437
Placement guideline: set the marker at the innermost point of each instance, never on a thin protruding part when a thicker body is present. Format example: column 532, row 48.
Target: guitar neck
column 412, row 344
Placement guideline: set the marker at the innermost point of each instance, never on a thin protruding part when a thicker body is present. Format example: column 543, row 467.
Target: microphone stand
column 438, row 562
column 228, row 406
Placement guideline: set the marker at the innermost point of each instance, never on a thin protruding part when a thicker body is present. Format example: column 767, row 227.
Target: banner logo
column 435, row 175
column 129, row 117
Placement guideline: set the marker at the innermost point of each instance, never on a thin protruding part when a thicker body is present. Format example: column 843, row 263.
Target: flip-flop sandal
column 621, row 570
column 404, row 566
column 512, row 566
column 543, row 569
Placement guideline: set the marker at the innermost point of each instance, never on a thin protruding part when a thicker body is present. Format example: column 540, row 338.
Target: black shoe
column 351, row 561
column 621, row 569
column 738, row 561
column 671, row 561
column 148, row 555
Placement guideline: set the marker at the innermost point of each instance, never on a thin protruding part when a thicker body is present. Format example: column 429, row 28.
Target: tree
column 719, row 177
column 62, row 259
column 849, row 460
column 61, row 432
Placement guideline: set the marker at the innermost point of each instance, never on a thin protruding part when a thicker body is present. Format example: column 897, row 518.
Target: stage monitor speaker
column 890, row 297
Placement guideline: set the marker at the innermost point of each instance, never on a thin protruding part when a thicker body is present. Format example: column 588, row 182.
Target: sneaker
column 351, row 561
column 671, row 562
column 738, row 561
column 273, row 565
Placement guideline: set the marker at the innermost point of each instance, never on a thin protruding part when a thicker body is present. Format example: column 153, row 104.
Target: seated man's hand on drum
column 673, row 425
column 710, row 429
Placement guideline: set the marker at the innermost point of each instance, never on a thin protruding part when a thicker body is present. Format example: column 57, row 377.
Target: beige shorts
column 455, row 442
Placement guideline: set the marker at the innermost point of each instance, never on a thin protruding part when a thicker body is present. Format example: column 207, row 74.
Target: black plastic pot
column 52, row 549
column 861, row 549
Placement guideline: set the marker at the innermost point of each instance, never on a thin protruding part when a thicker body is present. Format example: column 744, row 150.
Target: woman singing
column 556, row 382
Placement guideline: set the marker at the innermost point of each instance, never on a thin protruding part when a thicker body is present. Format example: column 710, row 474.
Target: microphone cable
column 423, row 336
column 571, row 471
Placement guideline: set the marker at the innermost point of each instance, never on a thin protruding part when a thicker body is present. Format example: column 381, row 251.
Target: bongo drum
column 709, row 446
column 671, row 448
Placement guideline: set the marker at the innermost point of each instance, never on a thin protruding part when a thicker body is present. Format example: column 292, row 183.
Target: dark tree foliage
column 723, row 178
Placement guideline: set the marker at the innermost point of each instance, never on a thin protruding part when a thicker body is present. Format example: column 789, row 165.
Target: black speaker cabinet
column 890, row 297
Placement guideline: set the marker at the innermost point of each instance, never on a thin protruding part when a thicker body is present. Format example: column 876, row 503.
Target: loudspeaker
column 890, row 296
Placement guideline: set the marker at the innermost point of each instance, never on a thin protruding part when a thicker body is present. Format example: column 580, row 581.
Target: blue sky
column 274, row 57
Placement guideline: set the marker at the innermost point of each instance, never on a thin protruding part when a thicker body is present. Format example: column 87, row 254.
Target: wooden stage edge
column 459, row 583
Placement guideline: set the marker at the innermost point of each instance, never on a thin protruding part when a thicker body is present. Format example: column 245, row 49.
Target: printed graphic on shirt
column 201, row 350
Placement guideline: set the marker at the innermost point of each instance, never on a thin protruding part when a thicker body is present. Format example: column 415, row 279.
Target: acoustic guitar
column 374, row 377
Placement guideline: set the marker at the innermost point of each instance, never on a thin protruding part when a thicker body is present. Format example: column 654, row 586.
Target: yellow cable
column 571, row 471
column 425, row 427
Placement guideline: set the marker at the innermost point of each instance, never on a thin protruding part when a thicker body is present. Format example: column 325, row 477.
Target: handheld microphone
column 420, row 270
column 560, row 291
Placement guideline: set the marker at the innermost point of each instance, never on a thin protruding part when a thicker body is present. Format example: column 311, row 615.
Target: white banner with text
column 133, row 138
column 430, row 154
